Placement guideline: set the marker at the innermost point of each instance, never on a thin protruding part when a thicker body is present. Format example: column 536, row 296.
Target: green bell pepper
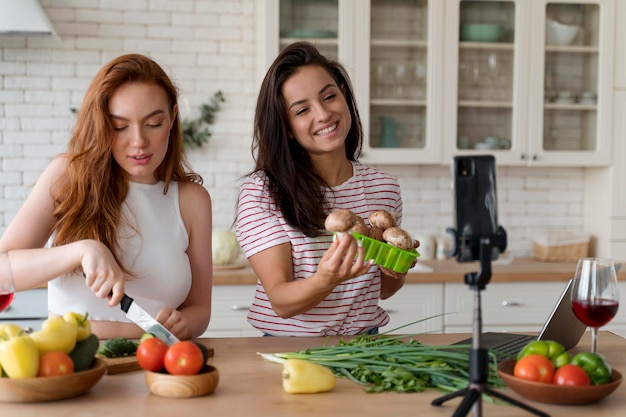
column 548, row 348
column 598, row 370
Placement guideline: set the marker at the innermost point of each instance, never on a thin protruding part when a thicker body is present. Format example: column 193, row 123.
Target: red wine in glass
column 5, row 300
column 596, row 313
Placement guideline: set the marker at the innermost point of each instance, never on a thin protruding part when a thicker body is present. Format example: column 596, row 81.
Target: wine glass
column 7, row 290
column 595, row 298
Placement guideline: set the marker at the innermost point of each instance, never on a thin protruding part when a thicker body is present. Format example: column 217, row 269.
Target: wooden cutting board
column 129, row 363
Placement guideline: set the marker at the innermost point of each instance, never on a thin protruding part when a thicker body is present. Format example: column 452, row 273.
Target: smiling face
column 142, row 120
column 319, row 117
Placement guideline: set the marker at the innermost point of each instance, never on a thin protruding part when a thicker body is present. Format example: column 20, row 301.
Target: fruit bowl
column 51, row 388
column 386, row 255
column 183, row 386
column 557, row 394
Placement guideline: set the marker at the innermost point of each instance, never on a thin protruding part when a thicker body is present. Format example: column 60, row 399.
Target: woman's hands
column 344, row 260
column 102, row 273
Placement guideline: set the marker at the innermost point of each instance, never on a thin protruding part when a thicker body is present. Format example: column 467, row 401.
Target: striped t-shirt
column 352, row 306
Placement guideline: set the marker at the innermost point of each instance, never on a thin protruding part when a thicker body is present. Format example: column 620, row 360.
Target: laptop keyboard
column 511, row 347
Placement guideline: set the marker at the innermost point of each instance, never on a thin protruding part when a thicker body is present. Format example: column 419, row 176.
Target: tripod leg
column 441, row 400
column 516, row 403
column 472, row 398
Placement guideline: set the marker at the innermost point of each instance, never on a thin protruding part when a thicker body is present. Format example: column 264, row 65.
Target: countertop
column 518, row 270
column 250, row 386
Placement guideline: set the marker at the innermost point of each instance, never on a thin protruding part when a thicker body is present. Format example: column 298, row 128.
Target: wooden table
column 249, row 386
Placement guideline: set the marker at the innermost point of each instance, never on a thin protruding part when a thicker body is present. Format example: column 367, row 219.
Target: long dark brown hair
column 294, row 183
column 89, row 199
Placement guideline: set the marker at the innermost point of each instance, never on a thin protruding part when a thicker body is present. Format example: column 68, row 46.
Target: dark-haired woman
column 307, row 138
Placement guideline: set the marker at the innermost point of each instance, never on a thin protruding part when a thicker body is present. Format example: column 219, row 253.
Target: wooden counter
column 519, row 270
column 250, row 386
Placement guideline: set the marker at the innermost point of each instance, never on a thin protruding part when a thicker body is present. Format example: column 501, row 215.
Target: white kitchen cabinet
column 29, row 309
column 620, row 45
column 506, row 307
column 229, row 310
column 522, row 96
column 412, row 303
column 416, row 83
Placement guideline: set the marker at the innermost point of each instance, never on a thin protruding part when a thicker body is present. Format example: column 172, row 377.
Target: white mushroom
column 382, row 219
column 340, row 221
column 399, row 238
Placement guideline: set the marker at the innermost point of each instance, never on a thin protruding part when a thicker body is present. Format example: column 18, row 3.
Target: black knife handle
column 126, row 300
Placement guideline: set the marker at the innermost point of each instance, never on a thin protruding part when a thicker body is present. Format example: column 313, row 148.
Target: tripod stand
column 479, row 358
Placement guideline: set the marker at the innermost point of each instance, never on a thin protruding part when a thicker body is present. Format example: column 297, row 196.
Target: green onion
column 394, row 363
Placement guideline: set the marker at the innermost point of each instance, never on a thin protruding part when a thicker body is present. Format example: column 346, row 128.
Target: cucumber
column 205, row 351
column 83, row 353
column 113, row 348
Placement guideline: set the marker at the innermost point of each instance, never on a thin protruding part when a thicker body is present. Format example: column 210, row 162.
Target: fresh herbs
column 394, row 363
column 196, row 131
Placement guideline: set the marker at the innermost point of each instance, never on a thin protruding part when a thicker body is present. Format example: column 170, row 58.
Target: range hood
column 24, row 18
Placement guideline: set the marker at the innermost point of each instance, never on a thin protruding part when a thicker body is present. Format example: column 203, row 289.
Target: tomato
column 184, row 358
column 534, row 367
column 55, row 363
column 151, row 354
column 571, row 374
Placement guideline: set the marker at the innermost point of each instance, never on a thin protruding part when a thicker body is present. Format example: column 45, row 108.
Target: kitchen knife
column 141, row 318
column 144, row 320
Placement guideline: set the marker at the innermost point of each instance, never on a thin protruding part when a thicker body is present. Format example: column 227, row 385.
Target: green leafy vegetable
column 394, row 363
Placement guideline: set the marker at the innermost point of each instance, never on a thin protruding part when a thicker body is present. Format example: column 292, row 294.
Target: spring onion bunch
column 394, row 363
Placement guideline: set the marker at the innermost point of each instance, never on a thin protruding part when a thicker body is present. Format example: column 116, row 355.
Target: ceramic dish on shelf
column 308, row 33
column 557, row 394
column 51, row 388
column 386, row 255
column 481, row 32
column 560, row 34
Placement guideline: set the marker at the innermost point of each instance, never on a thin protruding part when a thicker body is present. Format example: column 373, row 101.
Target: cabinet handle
column 507, row 303
column 535, row 157
column 235, row 307
column 523, row 156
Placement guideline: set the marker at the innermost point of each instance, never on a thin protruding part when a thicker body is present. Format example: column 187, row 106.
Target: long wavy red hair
column 89, row 200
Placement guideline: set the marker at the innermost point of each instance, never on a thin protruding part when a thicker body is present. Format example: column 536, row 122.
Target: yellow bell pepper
column 19, row 356
column 304, row 377
column 55, row 334
column 82, row 324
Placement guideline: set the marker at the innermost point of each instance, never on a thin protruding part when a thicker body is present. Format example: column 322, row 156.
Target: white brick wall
column 209, row 45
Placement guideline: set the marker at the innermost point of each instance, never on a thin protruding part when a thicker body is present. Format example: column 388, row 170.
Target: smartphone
column 476, row 205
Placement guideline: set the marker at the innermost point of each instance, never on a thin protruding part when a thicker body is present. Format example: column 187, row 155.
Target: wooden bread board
column 129, row 363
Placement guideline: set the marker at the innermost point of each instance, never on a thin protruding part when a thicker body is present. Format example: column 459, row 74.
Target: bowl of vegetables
column 51, row 388
column 545, row 372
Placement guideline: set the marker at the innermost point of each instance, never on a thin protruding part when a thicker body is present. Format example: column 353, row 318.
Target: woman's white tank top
column 154, row 250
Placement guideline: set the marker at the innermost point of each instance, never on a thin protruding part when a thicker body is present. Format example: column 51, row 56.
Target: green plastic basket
column 386, row 255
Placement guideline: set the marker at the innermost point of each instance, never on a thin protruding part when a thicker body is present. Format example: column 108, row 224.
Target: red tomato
column 184, row 358
column 571, row 374
column 534, row 368
column 55, row 363
column 151, row 354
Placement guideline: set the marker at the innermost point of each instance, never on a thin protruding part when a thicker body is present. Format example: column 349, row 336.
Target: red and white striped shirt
column 352, row 306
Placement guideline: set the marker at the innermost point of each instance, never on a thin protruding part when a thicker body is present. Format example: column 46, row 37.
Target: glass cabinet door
column 398, row 74
column 486, row 62
column 570, row 77
column 316, row 21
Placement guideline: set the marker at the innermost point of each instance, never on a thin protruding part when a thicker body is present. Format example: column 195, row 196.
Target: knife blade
column 144, row 320
column 141, row 318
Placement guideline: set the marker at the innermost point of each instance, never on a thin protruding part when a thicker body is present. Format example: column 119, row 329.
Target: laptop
column 562, row 326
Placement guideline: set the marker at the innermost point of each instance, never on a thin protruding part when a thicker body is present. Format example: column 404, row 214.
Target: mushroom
column 361, row 228
column 382, row 219
column 376, row 233
column 399, row 238
column 340, row 221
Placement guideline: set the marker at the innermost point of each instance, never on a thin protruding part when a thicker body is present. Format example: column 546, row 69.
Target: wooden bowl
column 183, row 386
column 51, row 388
column 556, row 394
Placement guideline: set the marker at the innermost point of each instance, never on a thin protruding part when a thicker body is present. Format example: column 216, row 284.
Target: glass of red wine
column 595, row 297
column 7, row 290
